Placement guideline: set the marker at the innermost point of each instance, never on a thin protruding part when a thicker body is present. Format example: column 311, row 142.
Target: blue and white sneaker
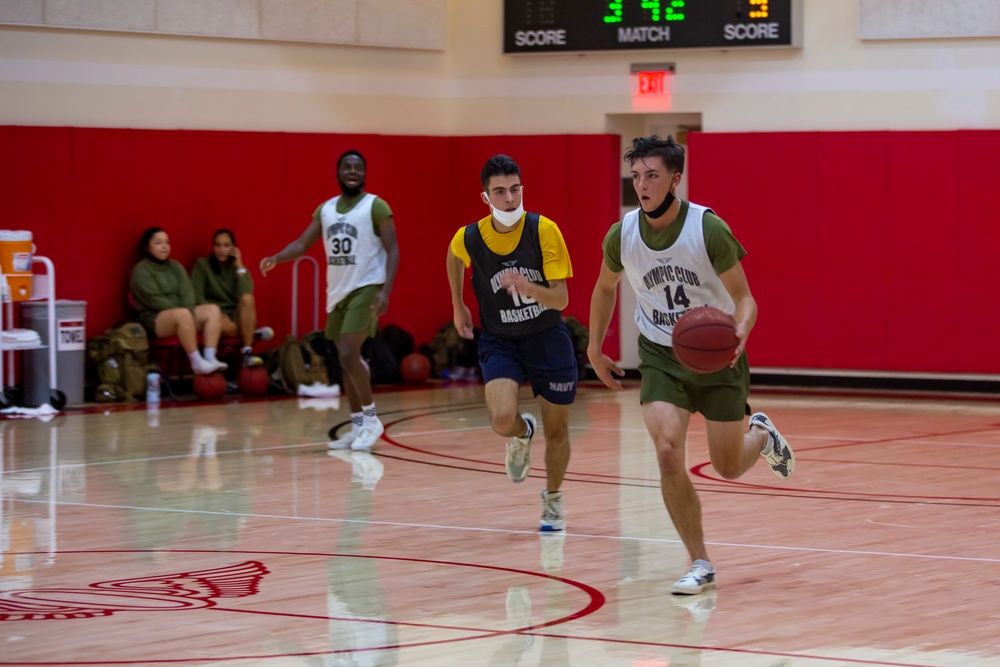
column 518, row 460
column 553, row 515
column 699, row 578
column 777, row 453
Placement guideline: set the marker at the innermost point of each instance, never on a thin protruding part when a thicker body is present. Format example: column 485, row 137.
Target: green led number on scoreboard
column 544, row 26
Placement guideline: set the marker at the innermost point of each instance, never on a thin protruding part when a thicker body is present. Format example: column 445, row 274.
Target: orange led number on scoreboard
column 761, row 9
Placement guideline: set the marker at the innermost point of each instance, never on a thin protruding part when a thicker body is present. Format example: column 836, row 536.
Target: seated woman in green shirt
column 165, row 304
column 222, row 279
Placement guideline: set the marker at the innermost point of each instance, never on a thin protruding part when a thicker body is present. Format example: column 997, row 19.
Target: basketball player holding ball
column 677, row 255
column 358, row 232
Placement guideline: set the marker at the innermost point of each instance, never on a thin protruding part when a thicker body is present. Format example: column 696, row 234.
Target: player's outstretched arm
column 295, row 249
column 602, row 307
column 456, row 282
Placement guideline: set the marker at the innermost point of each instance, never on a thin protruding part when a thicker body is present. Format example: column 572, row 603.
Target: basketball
column 253, row 381
column 415, row 368
column 704, row 339
column 210, row 387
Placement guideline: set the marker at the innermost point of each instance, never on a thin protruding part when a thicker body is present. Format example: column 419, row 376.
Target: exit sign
column 651, row 79
column 651, row 83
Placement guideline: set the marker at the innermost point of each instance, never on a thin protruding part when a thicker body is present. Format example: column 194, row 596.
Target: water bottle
column 153, row 387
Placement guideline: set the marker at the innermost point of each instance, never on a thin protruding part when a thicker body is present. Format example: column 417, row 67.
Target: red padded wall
column 870, row 251
column 593, row 208
column 87, row 194
column 851, row 276
column 978, row 320
column 6, row 176
column 781, row 250
column 922, row 221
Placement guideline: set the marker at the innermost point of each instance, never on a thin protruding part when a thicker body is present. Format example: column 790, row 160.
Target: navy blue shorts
column 545, row 359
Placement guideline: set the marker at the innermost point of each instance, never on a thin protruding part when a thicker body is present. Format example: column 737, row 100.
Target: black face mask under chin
column 662, row 208
column 348, row 191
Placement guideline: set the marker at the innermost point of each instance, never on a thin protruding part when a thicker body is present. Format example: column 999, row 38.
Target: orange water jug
column 16, row 251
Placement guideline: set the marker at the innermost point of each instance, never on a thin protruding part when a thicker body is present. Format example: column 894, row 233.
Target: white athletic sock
column 200, row 365
column 368, row 411
column 209, row 353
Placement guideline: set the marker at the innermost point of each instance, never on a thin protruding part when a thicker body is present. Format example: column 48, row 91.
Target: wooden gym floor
column 225, row 535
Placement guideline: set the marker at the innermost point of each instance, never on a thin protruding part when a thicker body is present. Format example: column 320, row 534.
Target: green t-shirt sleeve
column 380, row 211
column 613, row 248
column 316, row 213
column 723, row 248
column 244, row 283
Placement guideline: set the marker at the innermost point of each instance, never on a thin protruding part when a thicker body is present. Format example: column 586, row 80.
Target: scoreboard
column 547, row 26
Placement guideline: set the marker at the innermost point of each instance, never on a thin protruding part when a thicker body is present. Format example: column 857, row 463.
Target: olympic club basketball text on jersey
column 530, row 310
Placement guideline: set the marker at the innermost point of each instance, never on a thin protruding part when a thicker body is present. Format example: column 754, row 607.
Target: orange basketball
column 704, row 339
column 415, row 368
column 210, row 387
column 253, row 381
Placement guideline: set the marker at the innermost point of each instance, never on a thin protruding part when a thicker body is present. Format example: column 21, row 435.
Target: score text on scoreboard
column 545, row 26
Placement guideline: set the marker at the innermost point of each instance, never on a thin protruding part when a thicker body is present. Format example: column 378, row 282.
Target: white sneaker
column 699, row 578
column 368, row 435
column 777, row 453
column 518, row 460
column 219, row 365
column 263, row 333
column 343, row 442
column 553, row 515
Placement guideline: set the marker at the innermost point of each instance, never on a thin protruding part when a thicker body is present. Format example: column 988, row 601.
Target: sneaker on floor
column 700, row 606
column 263, row 333
column 368, row 435
column 553, row 515
column 518, row 461
column 251, row 360
column 219, row 365
column 777, row 453
column 343, row 442
column 698, row 579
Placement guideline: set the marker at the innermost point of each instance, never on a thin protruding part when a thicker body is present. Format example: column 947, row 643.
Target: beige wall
column 59, row 77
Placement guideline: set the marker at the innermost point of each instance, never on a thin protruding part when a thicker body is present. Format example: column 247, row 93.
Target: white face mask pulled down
column 506, row 218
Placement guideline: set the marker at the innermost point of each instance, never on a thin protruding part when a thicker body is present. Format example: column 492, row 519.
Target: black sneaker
column 251, row 360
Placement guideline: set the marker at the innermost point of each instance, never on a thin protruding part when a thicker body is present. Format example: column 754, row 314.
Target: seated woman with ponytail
column 222, row 279
column 165, row 303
